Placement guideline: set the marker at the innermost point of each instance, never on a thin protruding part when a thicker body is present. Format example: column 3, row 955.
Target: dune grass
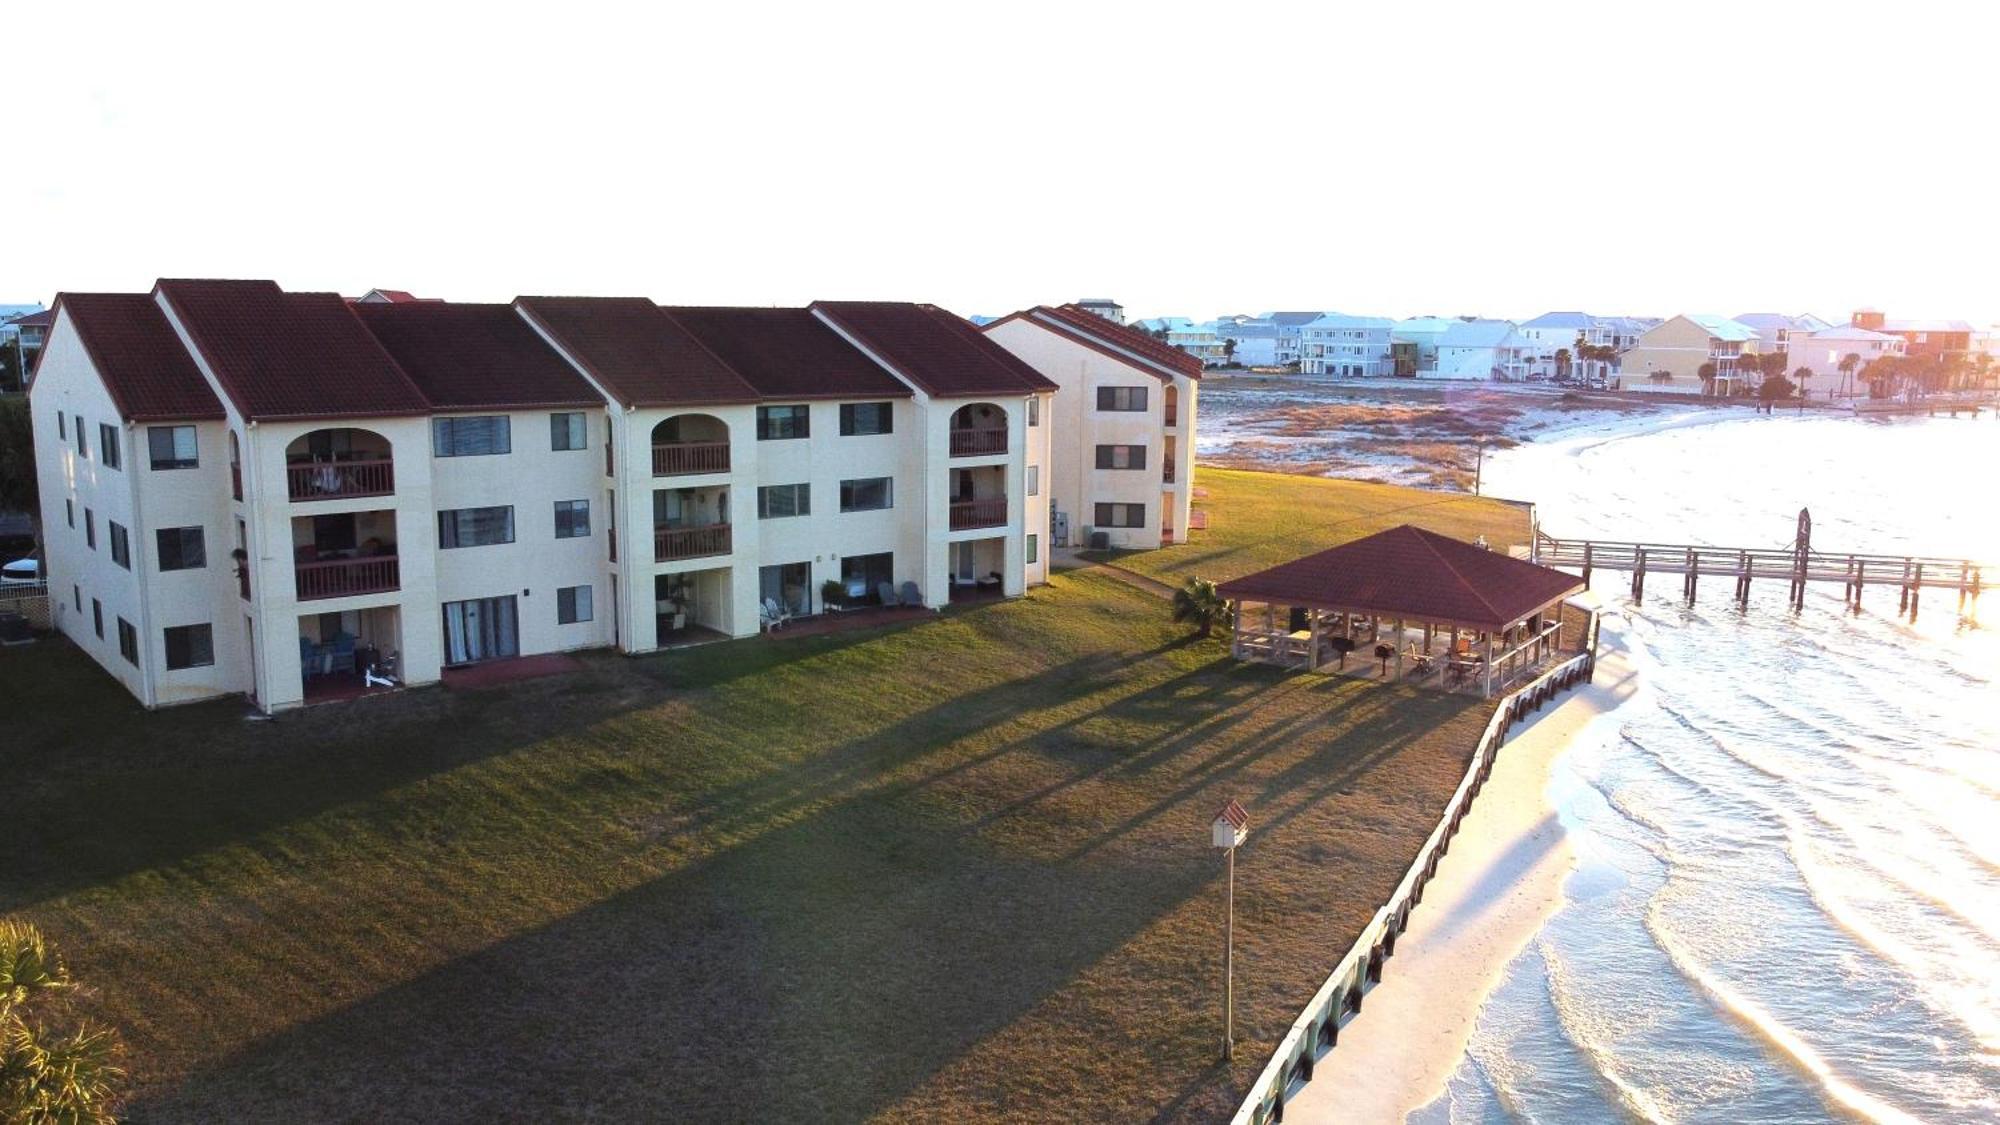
column 1259, row 519
column 946, row 870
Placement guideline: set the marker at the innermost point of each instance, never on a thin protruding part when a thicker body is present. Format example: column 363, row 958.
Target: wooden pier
column 1797, row 566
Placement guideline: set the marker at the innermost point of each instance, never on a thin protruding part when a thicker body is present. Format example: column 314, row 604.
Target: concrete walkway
column 1068, row 559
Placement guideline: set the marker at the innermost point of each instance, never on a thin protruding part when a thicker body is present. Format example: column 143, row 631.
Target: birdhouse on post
column 1231, row 825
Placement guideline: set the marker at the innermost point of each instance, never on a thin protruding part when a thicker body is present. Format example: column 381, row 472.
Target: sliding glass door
column 480, row 629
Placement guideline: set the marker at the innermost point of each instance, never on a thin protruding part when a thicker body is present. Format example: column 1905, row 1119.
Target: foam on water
column 1787, row 899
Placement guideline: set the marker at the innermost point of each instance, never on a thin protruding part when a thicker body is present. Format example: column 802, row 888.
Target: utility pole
column 1479, row 465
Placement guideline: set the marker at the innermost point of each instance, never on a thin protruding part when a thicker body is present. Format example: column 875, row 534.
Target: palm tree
column 1562, row 364
column 1707, row 373
column 1848, row 363
column 1198, row 602
column 54, row 1066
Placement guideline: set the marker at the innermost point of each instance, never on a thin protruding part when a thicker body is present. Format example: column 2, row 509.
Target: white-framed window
column 868, row 494
column 190, row 646
column 572, row 605
column 475, row 527
column 1034, row 480
column 1034, row 549
column 781, row 501
column 572, row 519
column 107, row 445
column 777, row 423
column 180, row 548
column 1121, row 399
column 1121, row 515
column 170, row 447
column 861, row 419
column 567, row 431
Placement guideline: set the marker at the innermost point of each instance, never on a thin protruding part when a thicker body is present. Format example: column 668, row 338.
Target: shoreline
column 1500, row 882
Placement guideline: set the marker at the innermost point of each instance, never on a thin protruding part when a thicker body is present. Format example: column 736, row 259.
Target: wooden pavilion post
column 1312, row 655
column 1489, row 664
column 1399, row 649
column 1236, row 628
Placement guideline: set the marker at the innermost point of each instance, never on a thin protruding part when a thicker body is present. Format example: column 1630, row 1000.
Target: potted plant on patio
column 833, row 595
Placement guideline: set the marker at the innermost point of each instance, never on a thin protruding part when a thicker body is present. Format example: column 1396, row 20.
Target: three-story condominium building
column 260, row 492
column 1121, row 458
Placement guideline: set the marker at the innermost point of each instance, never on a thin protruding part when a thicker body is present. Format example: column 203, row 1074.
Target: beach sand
column 1499, row 882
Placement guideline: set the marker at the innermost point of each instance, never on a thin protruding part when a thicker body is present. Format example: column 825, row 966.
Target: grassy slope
column 932, row 871
column 1262, row 519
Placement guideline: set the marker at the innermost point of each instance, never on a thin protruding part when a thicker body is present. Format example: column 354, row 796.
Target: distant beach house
column 1920, row 337
column 1104, row 307
column 1255, row 339
column 1291, row 328
column 1413, row 345
column 1343, row 346
column 1554, row 332
column 1668, row 359
column 1823, row 351
column 1483, row 349
column 1775, row 330
column 1196, row 339
column 1122, row 424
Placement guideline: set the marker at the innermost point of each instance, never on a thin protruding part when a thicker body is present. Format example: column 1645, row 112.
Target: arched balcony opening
column 978, row 430
column 1172, row 399
column 686, row 444
column 336, row 464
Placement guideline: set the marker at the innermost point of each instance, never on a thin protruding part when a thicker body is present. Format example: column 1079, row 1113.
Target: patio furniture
column 339, row 654
column 910, row 594
column 991, row 580
column 887, row 593
column 772, row 615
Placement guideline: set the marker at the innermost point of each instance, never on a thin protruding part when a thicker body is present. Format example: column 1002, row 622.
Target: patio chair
column 910, row 594
column 887, row 593
column 772, row 615
column 308, row 656
column 340, row 654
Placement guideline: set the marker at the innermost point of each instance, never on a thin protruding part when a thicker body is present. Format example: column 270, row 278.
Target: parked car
column 21, row 572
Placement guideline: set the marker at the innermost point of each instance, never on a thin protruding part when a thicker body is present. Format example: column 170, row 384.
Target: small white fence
column 1338, row 1001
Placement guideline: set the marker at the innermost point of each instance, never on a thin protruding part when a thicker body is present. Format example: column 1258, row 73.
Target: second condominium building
column 252, row 491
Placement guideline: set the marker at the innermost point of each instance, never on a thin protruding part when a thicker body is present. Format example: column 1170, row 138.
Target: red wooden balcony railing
column 1173, row 415
column 334, row 480
column 341, row 578
column 978, row 443
column 988, row 511
column 683, row 457
column 690, row 542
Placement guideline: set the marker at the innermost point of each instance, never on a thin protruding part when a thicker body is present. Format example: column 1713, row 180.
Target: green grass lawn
column 941, row 870
column 1258, row 520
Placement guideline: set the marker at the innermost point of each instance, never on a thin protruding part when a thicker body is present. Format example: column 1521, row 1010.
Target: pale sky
column 1390, row 159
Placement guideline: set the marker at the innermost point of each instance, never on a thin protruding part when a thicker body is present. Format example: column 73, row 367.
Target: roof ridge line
column 1425, row 537
column 703, row 345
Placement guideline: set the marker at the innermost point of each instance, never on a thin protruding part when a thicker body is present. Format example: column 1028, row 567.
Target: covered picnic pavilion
column 1420, row 605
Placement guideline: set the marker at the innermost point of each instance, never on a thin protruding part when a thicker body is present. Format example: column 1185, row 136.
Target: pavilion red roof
column 1407, row 572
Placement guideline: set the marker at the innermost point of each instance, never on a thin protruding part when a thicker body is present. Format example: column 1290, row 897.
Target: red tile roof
column 1109, row 338
column 475, row 357
column 636, row 352
column 30, row 320
column 285, row 355
column 149, row 375
column 788, row 354
column 394, row 296
column 1407, row 572
column 936, row 351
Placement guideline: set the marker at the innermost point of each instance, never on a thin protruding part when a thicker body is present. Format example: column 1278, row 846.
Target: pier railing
column 1338, row 1001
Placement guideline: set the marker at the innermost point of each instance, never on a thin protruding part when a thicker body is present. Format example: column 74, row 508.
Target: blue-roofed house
column 1482, row 349
column 1291, row 327
column 1552, row 332
column 1196, row 339
column 1342, row 346
column 1255, row 340
column 1414, row 343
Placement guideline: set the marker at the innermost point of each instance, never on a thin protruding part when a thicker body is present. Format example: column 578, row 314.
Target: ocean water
column 1787, row 900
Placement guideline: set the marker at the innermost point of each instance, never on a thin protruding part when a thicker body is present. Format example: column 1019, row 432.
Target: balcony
column 1173, row 415
column 339, row 480
column 1167, row 470
column 671, row 543
column 978, row 443
column 683, row 458
column 342, row 578
column 987, row 511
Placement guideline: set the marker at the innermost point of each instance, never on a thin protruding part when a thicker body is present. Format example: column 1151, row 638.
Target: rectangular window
column 180, row 548
column 97, row 616
column 128, row 642
column 69, row 512
column 82, row 441
column 1121, row 515
column 1035, row 411
column 572, row 519
column 862, row 418
column 1034, row 548
column 62, row 427
column 89, row 529
column 121, row 544
column 1034, row 480
column 566, row 431
column 1121, row 456
column 472, row 437
column 776, row 501
column 172, row 447
column 190, row 646
column 776, row 423
column 572, row 604
column 475, row 527
column 866, row 495
column 107, row 445
column 1121, row 398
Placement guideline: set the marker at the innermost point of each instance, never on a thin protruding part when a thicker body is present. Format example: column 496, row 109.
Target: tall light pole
column 1229, row 828
column 1479, row 465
